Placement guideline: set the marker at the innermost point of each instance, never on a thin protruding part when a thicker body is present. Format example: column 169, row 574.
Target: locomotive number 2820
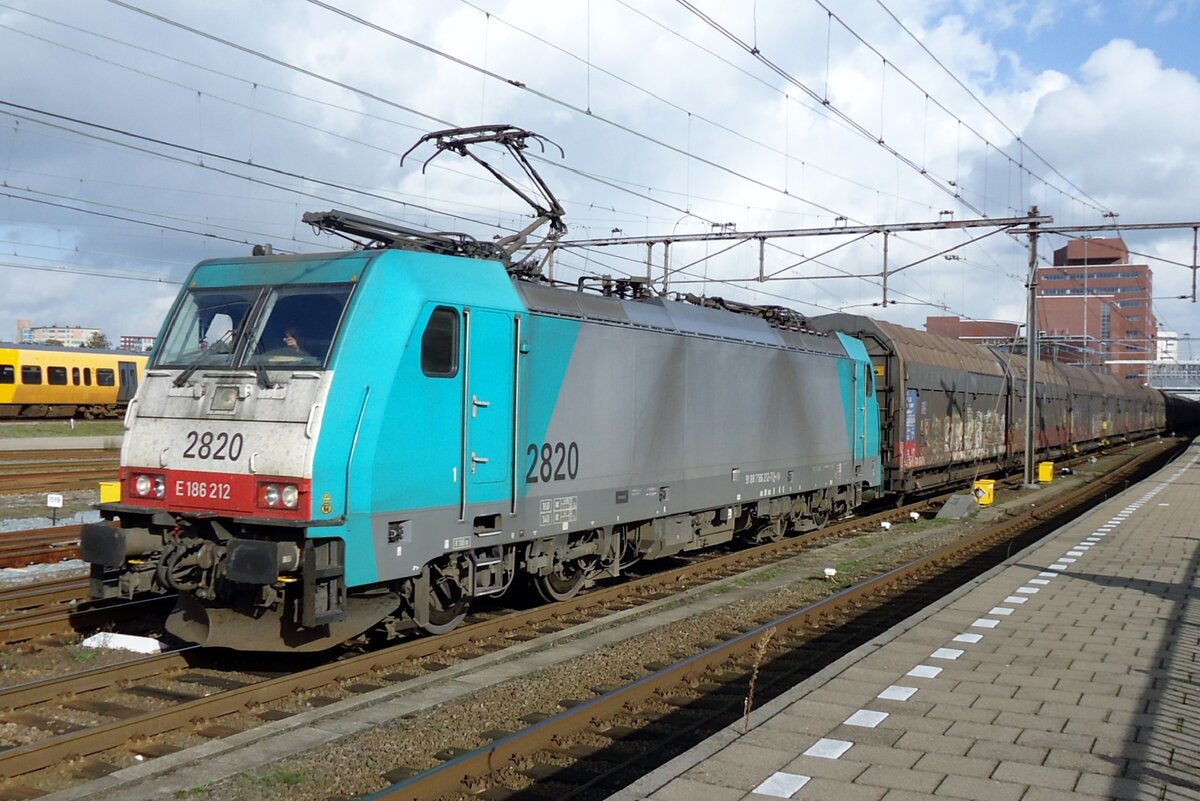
column 219, row 446
column 552, row 461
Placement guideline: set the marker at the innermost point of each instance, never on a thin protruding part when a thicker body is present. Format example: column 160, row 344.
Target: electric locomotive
column 440, row 431
column 329, row 444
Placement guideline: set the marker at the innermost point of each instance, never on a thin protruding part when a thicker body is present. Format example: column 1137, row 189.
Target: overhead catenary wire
column 524, row 87
column 280, row 62
column 521, row 85
column 352, row 189
column 971, row 93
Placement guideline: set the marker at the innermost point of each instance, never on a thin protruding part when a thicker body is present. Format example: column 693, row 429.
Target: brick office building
column 1095, row 307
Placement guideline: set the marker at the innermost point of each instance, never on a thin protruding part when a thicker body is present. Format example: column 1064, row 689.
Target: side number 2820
column 552, row 461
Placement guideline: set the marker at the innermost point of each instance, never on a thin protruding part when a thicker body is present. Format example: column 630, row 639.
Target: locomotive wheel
column 820, row 518
column 447, row 604
column 772, row 531
column 444, row 620
column 563, row 583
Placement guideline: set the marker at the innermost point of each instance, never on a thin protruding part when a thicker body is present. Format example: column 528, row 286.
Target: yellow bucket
column 985, row 491
column 1045, row 472
column 110, row 491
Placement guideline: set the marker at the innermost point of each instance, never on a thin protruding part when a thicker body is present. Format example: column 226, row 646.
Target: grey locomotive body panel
column 663, row 423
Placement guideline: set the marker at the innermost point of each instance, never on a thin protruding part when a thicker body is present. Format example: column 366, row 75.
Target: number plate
column 215, row 446
column 207, row 490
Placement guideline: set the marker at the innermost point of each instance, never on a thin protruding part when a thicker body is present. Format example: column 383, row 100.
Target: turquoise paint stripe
column 860, row 361
column 551, row 344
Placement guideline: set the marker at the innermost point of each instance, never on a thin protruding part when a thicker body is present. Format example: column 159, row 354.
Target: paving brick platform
column 1069, row 672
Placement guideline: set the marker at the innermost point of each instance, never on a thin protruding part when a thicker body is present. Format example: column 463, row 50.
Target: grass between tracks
column 20, row 429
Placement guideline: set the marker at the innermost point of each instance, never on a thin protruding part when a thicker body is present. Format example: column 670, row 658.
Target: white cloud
column 1122, row 130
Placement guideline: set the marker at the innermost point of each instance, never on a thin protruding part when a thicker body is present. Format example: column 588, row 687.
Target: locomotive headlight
column 147, row 486
column 273, row 495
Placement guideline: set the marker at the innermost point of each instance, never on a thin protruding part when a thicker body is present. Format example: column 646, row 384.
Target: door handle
column 477, row 404
column 476, row 461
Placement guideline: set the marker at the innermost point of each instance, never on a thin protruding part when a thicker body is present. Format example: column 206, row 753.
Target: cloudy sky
column 139, row 137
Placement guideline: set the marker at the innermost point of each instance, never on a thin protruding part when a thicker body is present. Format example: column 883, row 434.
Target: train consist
column 953, row 410
column 46, row 381
column 324, row 445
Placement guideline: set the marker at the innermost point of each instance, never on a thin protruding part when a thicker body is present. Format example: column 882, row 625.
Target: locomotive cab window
column 205, row 326
column 439, row 344
column 277, row 327
column 7, row 374
column 297, row 325
column 56, row 376
column 31, row 374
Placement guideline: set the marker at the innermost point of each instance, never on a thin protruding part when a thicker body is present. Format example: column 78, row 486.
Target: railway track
column 205, row 694
column 50, row 456
column 644, row 723
column 39, row 546
column 49, row 471
column 185, row 690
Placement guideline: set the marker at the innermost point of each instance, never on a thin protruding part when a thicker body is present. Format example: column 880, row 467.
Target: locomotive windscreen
column 257, row 326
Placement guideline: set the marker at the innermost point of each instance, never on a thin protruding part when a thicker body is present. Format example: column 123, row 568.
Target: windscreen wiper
column 198, row 362
column 261, row 377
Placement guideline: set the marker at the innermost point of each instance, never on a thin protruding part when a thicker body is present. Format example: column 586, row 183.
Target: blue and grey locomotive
column 432, row 432
column 327, row 444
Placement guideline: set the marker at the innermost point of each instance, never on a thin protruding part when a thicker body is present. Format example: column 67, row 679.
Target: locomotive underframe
column 281, row 590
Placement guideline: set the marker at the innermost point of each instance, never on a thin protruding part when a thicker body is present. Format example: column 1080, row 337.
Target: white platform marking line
column 985, row 623
column 1075, row 552
column 1028, row 590
column 826, row 748
column 897, row 692
column 1048, row 574
column 1039, row 581
column 1070, row 560
column 867, row 718
column 924, row 672
column 1015, row 599
column 1057, row 566
column 947, row 653
column 971, row 638
column 782, row 785
column 1000, row 610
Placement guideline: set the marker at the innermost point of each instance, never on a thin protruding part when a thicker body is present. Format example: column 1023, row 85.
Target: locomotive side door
column 489, row 424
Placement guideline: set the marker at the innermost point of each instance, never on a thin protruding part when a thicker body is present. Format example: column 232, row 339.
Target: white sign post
column 55, row 501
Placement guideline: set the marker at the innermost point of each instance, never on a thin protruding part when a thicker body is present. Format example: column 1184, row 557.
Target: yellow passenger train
column 47, row 381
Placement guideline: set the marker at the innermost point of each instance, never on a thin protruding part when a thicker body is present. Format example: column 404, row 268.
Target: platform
column 1068, row 672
